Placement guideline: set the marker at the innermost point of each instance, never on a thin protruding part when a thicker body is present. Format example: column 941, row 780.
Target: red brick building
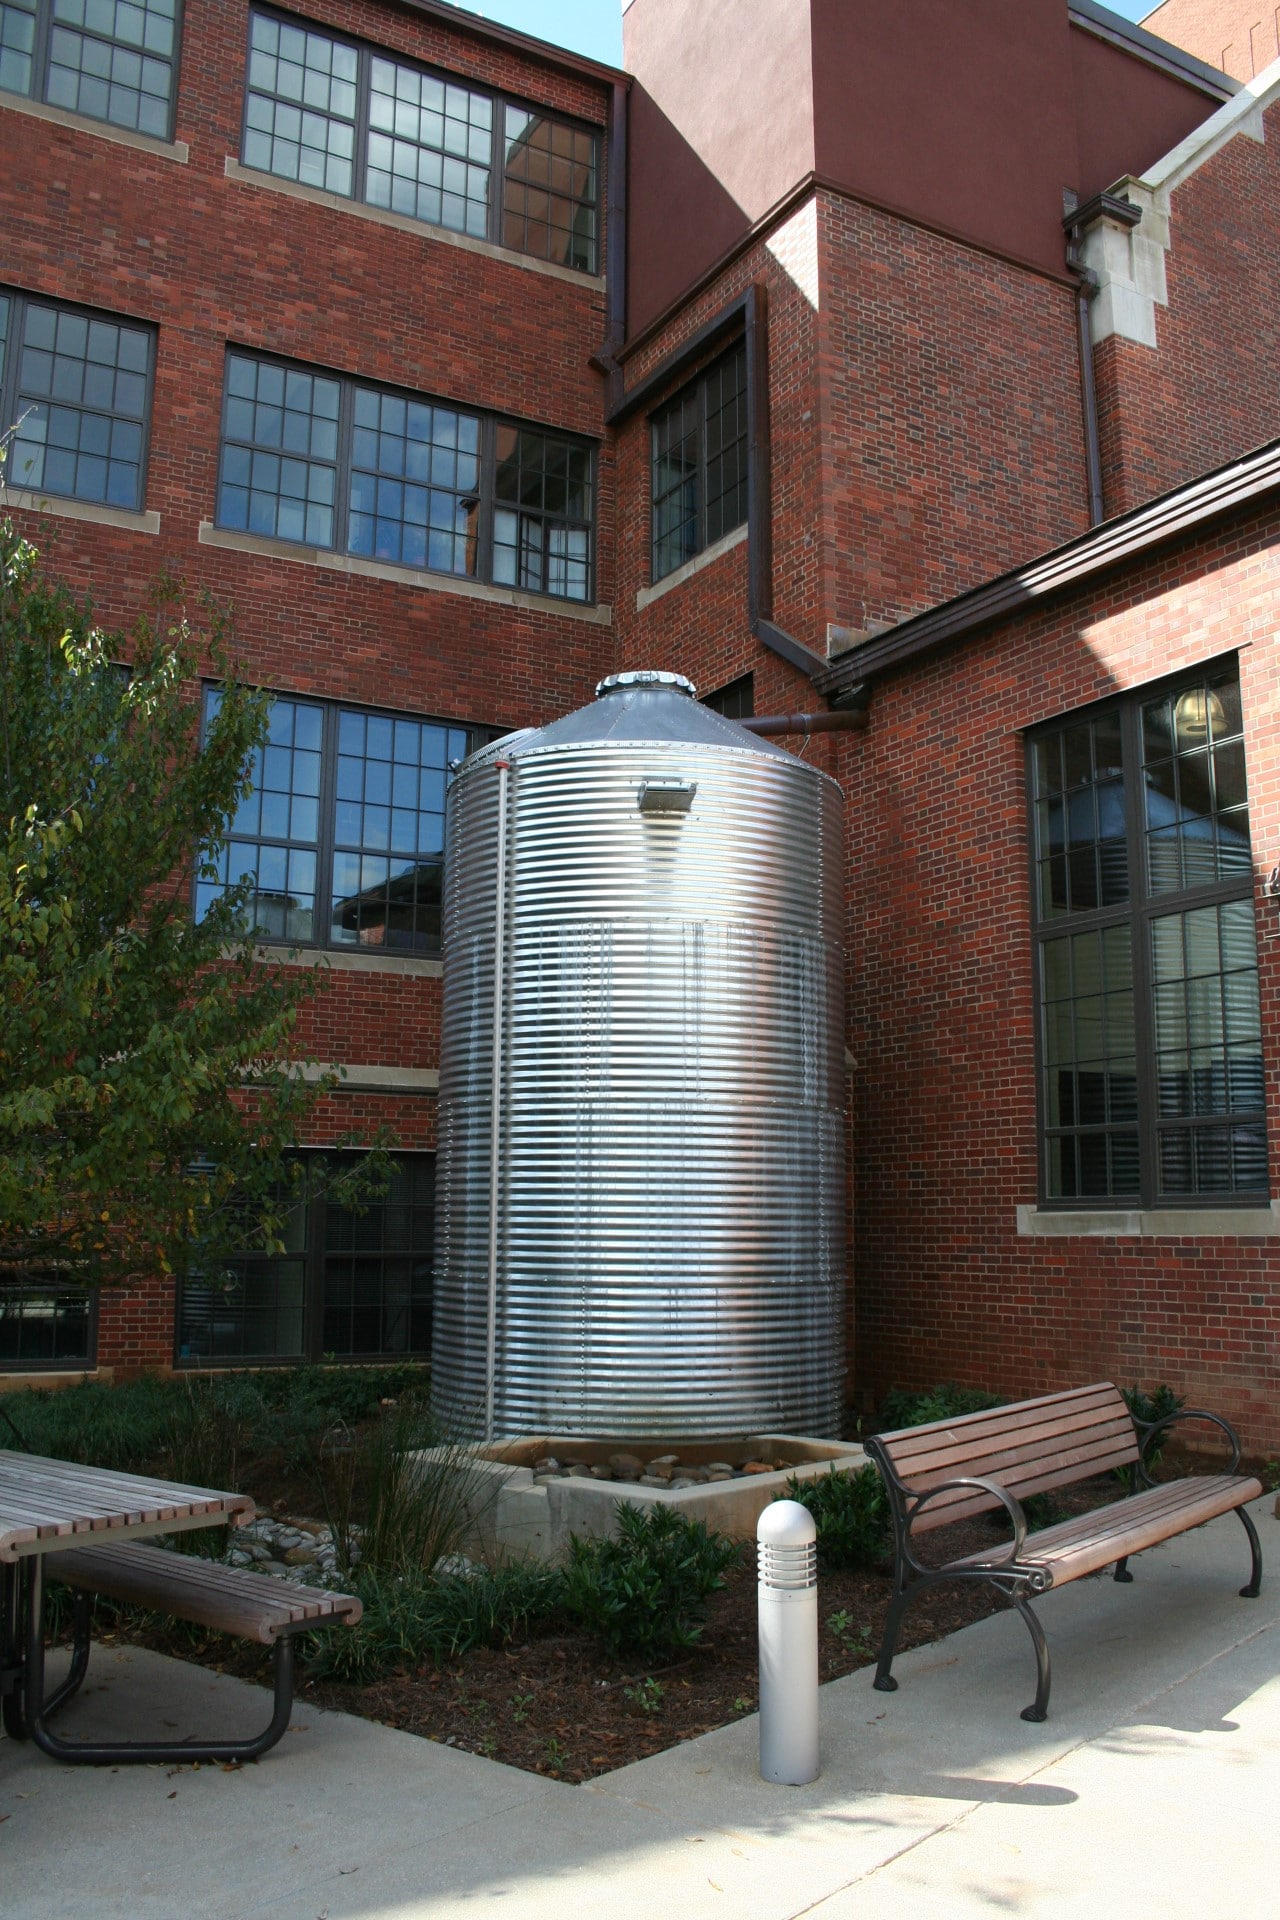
column 836, row 354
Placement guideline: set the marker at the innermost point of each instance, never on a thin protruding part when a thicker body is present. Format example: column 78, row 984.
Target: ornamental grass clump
column 644, row 1594
column 398, row 1494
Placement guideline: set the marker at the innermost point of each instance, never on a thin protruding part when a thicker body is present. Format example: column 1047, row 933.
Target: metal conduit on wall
column 659, row 1248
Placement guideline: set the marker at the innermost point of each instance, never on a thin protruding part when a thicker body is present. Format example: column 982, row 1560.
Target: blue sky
column 591, row 27
column 594, row 27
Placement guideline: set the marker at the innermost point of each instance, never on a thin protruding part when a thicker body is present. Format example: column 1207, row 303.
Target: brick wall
column 953, row 437
column 942, row 1012
column 209, row 261
column 1207, row 391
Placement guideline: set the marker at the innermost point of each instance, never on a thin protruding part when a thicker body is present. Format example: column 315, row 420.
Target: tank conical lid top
column 643, row 707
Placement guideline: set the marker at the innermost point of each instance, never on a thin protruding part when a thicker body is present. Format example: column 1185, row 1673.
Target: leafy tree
column 146, row 1106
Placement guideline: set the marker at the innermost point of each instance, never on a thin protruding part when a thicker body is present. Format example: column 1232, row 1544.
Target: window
column 342, row 837
column 76, row 387
column 312, row 458
column 700, row 463
column 50, row 1329
column 737, row 701
column 1151, row 1087
column 111, row 60
column 359, row 123
column 357, row 1286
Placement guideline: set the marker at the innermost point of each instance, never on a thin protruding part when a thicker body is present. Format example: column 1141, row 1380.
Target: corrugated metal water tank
column 658, row 1246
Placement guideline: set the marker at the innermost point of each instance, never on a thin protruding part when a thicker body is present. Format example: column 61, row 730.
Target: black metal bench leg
column 1122, row 1571
column 114, row 1753
column 1039, row 1709
column 1254, row 1587
column 884, row 1681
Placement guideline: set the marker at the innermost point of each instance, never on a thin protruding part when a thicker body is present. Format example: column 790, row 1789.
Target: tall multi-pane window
column 1150, row 1033
column 549, row 189
column 351, row 1285
column 341, row 838
column 390, row 476
column 112, row 60
column 699, row 463
column 353, row 121
column 542, row 514
column 76, row 386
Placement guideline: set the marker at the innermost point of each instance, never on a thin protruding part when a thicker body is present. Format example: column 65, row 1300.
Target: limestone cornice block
column 1127, row 261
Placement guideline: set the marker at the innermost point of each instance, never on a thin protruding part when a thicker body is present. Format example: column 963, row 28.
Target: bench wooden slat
column 1030, row 1447
column 904, row 1441
column 1006, row 1463
column 255, row 1606
column 1022, row 1442
column 1090, row 1541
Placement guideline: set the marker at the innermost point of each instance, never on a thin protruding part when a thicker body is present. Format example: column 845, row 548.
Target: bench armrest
column 1009, row 1501
column 1147, row 1430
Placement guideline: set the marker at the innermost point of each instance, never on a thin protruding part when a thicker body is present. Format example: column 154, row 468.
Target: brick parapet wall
column 1206, row 392
column 952, row 430
column 942, row 1011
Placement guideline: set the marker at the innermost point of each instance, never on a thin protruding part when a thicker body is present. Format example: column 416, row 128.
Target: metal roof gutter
column 1125, row 538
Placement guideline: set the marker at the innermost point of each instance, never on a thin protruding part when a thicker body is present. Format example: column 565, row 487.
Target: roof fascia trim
column 1135, row 40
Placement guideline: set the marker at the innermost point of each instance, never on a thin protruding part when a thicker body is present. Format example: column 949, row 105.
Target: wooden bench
column 953, row 1469
column 234, row 1600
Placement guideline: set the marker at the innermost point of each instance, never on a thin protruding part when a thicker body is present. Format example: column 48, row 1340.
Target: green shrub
column 644, row 1594
column 1146, row 1409
column 851, row 1513
column 946, row 1401
column 414, row 1619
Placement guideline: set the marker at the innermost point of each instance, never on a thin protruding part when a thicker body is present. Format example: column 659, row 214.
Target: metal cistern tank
column 640, row 1226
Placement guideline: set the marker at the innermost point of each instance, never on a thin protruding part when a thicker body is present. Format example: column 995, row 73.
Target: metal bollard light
column 786, row 1542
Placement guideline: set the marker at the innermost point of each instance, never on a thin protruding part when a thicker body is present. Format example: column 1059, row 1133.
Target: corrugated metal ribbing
column 671, row 1191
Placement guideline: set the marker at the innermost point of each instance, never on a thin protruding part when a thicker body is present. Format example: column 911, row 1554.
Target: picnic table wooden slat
column 229, row 1599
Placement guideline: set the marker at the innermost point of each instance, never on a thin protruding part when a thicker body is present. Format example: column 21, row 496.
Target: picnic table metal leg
column 11, row 1674
column 115, row 1752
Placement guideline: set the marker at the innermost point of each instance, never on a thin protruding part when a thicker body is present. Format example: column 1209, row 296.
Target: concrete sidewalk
column 1151, row 1787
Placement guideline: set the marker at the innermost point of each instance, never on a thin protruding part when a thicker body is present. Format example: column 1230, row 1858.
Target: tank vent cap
column 646, row 677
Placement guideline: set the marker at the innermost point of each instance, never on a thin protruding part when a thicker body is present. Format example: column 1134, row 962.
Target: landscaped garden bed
column 573, row 1672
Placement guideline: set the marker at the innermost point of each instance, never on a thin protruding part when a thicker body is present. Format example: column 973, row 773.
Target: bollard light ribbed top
column 786, row 1524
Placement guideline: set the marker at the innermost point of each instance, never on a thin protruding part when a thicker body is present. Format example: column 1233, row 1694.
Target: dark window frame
column 1143, row 906
column 736, row 700
column 58, row 1363
column 326, row 845
column 695, row 394
column 21, row 300
column 314, row 1257
column 487, row 504
column 367, row 52
column 38, row 92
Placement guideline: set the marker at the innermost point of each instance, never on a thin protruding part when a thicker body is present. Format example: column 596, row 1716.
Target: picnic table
column 49, row 1507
